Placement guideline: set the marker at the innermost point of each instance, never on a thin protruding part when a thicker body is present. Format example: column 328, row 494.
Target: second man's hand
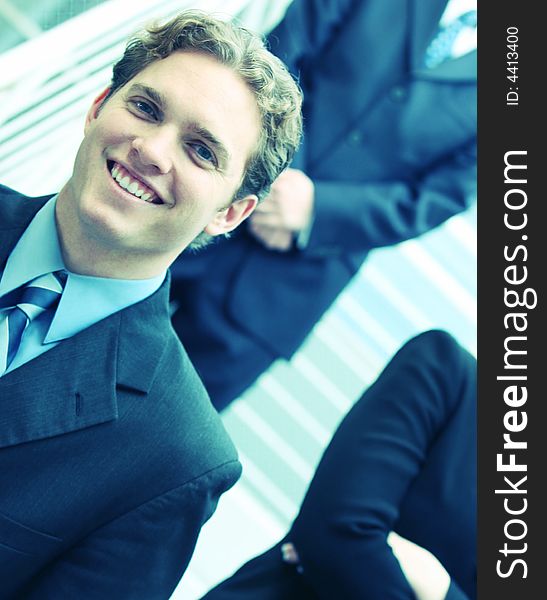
column 286, row 211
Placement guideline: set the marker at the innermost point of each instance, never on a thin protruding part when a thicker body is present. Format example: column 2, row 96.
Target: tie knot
column 43, row 291
column 33, row 300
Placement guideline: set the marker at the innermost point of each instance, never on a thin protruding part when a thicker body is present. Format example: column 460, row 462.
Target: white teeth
column 131, row 186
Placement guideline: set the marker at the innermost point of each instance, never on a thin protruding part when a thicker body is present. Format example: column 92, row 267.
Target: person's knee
column 445, row 350
column 439, row 347
column 448, row 367
column 438, row 341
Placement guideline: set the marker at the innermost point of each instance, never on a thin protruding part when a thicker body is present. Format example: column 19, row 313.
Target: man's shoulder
column 184, row 434
column 191, row 411
column 7, row 191
column 8, row 194
column 17, row 209
column 178, row 418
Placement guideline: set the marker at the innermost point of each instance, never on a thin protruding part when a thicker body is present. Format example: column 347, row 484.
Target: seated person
column 397, row 483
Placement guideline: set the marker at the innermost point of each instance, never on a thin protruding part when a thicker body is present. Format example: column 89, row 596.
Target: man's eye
column 145, row 108
column 204, row 153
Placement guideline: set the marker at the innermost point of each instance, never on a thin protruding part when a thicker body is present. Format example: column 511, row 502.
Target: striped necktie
column 441, row 48
column 23, row 305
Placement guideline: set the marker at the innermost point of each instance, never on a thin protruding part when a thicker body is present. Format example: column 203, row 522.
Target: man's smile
column 131, row 184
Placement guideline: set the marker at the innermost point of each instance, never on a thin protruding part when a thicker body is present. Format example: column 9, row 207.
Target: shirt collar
column 41, row 233
column 85, row 299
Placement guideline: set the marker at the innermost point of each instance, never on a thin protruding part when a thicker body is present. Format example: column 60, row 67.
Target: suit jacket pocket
column 18, row 539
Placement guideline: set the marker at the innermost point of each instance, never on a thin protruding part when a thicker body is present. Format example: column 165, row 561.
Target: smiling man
column 111, row 455
column 161, row 161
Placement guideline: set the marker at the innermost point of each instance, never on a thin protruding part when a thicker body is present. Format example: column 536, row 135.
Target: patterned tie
column 442, row 45
column 20, row 307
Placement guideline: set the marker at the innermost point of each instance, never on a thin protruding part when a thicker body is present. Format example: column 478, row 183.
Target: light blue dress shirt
column 85, row 300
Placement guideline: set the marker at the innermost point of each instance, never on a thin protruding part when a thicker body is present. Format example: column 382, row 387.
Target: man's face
column 163, row 157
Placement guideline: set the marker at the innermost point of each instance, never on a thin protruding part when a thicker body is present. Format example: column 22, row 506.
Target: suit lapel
column 9, row 239
column 144, row 329
column 67, row 388
column 73, row 385
column 15, row 216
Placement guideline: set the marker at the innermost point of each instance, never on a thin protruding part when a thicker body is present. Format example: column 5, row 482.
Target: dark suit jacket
column 404, row 460
column 390, row 147
column 111, row 455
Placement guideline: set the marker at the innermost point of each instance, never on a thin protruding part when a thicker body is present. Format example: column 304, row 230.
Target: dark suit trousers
column 403, row 459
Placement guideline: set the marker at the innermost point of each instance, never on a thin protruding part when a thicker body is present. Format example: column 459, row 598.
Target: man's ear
column 229, row 218
column 94, row 109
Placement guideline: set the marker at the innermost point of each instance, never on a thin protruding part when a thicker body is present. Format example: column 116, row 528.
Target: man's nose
column 155, row 150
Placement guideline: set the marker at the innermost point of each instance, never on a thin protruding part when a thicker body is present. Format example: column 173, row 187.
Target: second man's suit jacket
column 389, row 145
column 111, row 455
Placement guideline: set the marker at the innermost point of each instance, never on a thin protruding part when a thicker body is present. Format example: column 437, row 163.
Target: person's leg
column 403, row 459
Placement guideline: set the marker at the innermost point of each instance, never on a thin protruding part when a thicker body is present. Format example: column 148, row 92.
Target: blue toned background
column 55, row 56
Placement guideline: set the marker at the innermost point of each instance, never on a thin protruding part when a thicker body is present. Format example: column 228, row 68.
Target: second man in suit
column 389, row 152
